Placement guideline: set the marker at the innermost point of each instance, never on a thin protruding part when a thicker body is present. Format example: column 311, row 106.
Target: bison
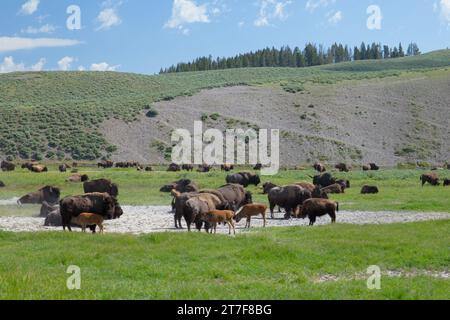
column 342, row 167
column 227, row 167
column 187, row 167
column 369, row 190
column 2, row 184
column 313, row 208
column 200, row 205
column 344, row 183
column 183, row 185
column 446, row 183
column 48, row 194
column 62, row 168
column 7, row 166
column 258, row 166
column 430, row 178
column 39, row 168
column 97, row 203
column 244, row 179
column 288, row 197
column 101, row 186
column 374, row 167
column 105, row 164
column 366, row 167
column 78, row 178
column 268, row 186
column 173, row 167
column 319, row 167
column 324, row 180
column 334, row 189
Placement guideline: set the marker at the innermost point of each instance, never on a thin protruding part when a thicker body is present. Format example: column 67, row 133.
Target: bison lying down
column 314, row 208
column 48, row 194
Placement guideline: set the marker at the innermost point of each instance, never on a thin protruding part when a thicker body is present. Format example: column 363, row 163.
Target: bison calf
column 216, row 216
column 89, row 219
column 250, row 210
column 314, row 208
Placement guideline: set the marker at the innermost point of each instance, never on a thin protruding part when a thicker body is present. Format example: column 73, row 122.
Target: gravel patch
column 150, row 219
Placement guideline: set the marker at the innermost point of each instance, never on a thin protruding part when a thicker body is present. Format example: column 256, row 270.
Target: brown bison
column 78, row 178
column 7, row 166
column 183, row 185
column 244, row 179
column 97, row 203
column 235, row 196
column 47, row 208
column 314, row 208
column 204, row 168
column 342, row 167
column 366, row 167
column 101, row 186
column 200, row 205
column 324, row 180
column 369, row 190
column 29, row 165
column 173, row 167
column 48, row 194
column 227, row 167
column 39, row 168
column 334, row 189
column 187, row 167
column 62, row 168
column 431, row 178
column 288, row 198
column 105, row 164
column 319, row 167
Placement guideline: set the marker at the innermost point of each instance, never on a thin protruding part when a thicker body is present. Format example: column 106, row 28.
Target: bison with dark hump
column 187, row 167
column 183, row 185
column 7, row 166
column 431, row 178
column 173, row 167
column 101, row 186
column 48, row 194
column 98, row 203
column 314, row 208
column 324, row 180
column 244, row 179
column 288, row 198
column 369, row 190
column 446, row 182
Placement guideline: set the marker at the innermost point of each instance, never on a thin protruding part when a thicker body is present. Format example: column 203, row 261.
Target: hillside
column 386, row 111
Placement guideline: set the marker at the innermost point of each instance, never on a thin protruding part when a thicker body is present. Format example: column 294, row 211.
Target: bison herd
column 203, row 208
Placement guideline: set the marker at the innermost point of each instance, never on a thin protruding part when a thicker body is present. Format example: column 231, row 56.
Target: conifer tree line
column 311, row 55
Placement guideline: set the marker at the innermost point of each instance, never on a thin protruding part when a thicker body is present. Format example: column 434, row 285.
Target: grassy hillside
column 57, row 114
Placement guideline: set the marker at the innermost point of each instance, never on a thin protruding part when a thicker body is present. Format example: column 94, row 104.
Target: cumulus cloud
column 444, row 9
column 8, row 44
column 335, row 17
column 29, row 7
column 47, row 28
column 109, row 16
column 103, row 66
column 312, row 5
column 8, row 65
column 269, row 10
column 187, row 12
column 65, row 63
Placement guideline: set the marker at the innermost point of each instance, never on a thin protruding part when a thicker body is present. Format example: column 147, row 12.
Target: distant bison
column 314, row 208
column 105, row 164
column 324, row 180
column 7, row 166
column 78, row 178
column 48, row 194
column 62, row 168
column 148, row 169
column 446, row 183
column 47, row 208
column 97, row 203
column 366, row 167
column 430, row 178
column 244, row 179
column 374, row 167
column 39, row 168
column 344, row 183
column 258, row 166
column 334, row 189
column 183, row 185
column 342, row 167
column 187, row 167
column 29, row 165
column 101, row 186
column 227, row 167
column 2, row 184
column 173, row 167
column 369, row 190
column 319, row 167
column 204, row 168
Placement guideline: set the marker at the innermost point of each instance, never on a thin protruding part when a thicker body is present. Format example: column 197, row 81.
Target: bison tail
column 337, row 206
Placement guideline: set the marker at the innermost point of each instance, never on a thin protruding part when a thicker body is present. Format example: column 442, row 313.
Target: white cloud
column 29, row 7
column 103, row 66
column 271, row 9
column 444, row 9
column 8, row 65
column 335, row 18
column 47, row 28
column 108, row 18
column 186, row 12
column 17, row 43
column 312, row 5
column 65, row 63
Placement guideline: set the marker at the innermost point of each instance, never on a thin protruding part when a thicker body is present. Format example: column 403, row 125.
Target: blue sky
column 142, row 36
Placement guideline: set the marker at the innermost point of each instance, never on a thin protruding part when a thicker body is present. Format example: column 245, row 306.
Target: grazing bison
column 179, row 206
column 344, row 183
column 187, row 167
column 48, row 194
column 78, row 178
column 105, row 164
column 173, row 167
column 7, row 166
column 39, row 168
column 366, row 167
column 314, row 208
column 342, row 167
column 369, row 190
column 374, row 167
column 446, row 183
column 244, row 179
column 200, row 205
column 183, row 185
column 101, row 186
column 97, row 203
column 430, row 178
column 148, row 169
column 319, row 167
column 2, row 184
column 334, row 189
column 227, row 167
column 62, row 168
column 324, row 180
column 288, row 197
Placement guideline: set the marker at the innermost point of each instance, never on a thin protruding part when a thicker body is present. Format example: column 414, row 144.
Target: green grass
column 400, row 190
column 270, row 264
column 60, row 112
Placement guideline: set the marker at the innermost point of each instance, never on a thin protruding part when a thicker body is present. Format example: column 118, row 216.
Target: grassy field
column 60, row 111
column 291, row 263
column 400, row 190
